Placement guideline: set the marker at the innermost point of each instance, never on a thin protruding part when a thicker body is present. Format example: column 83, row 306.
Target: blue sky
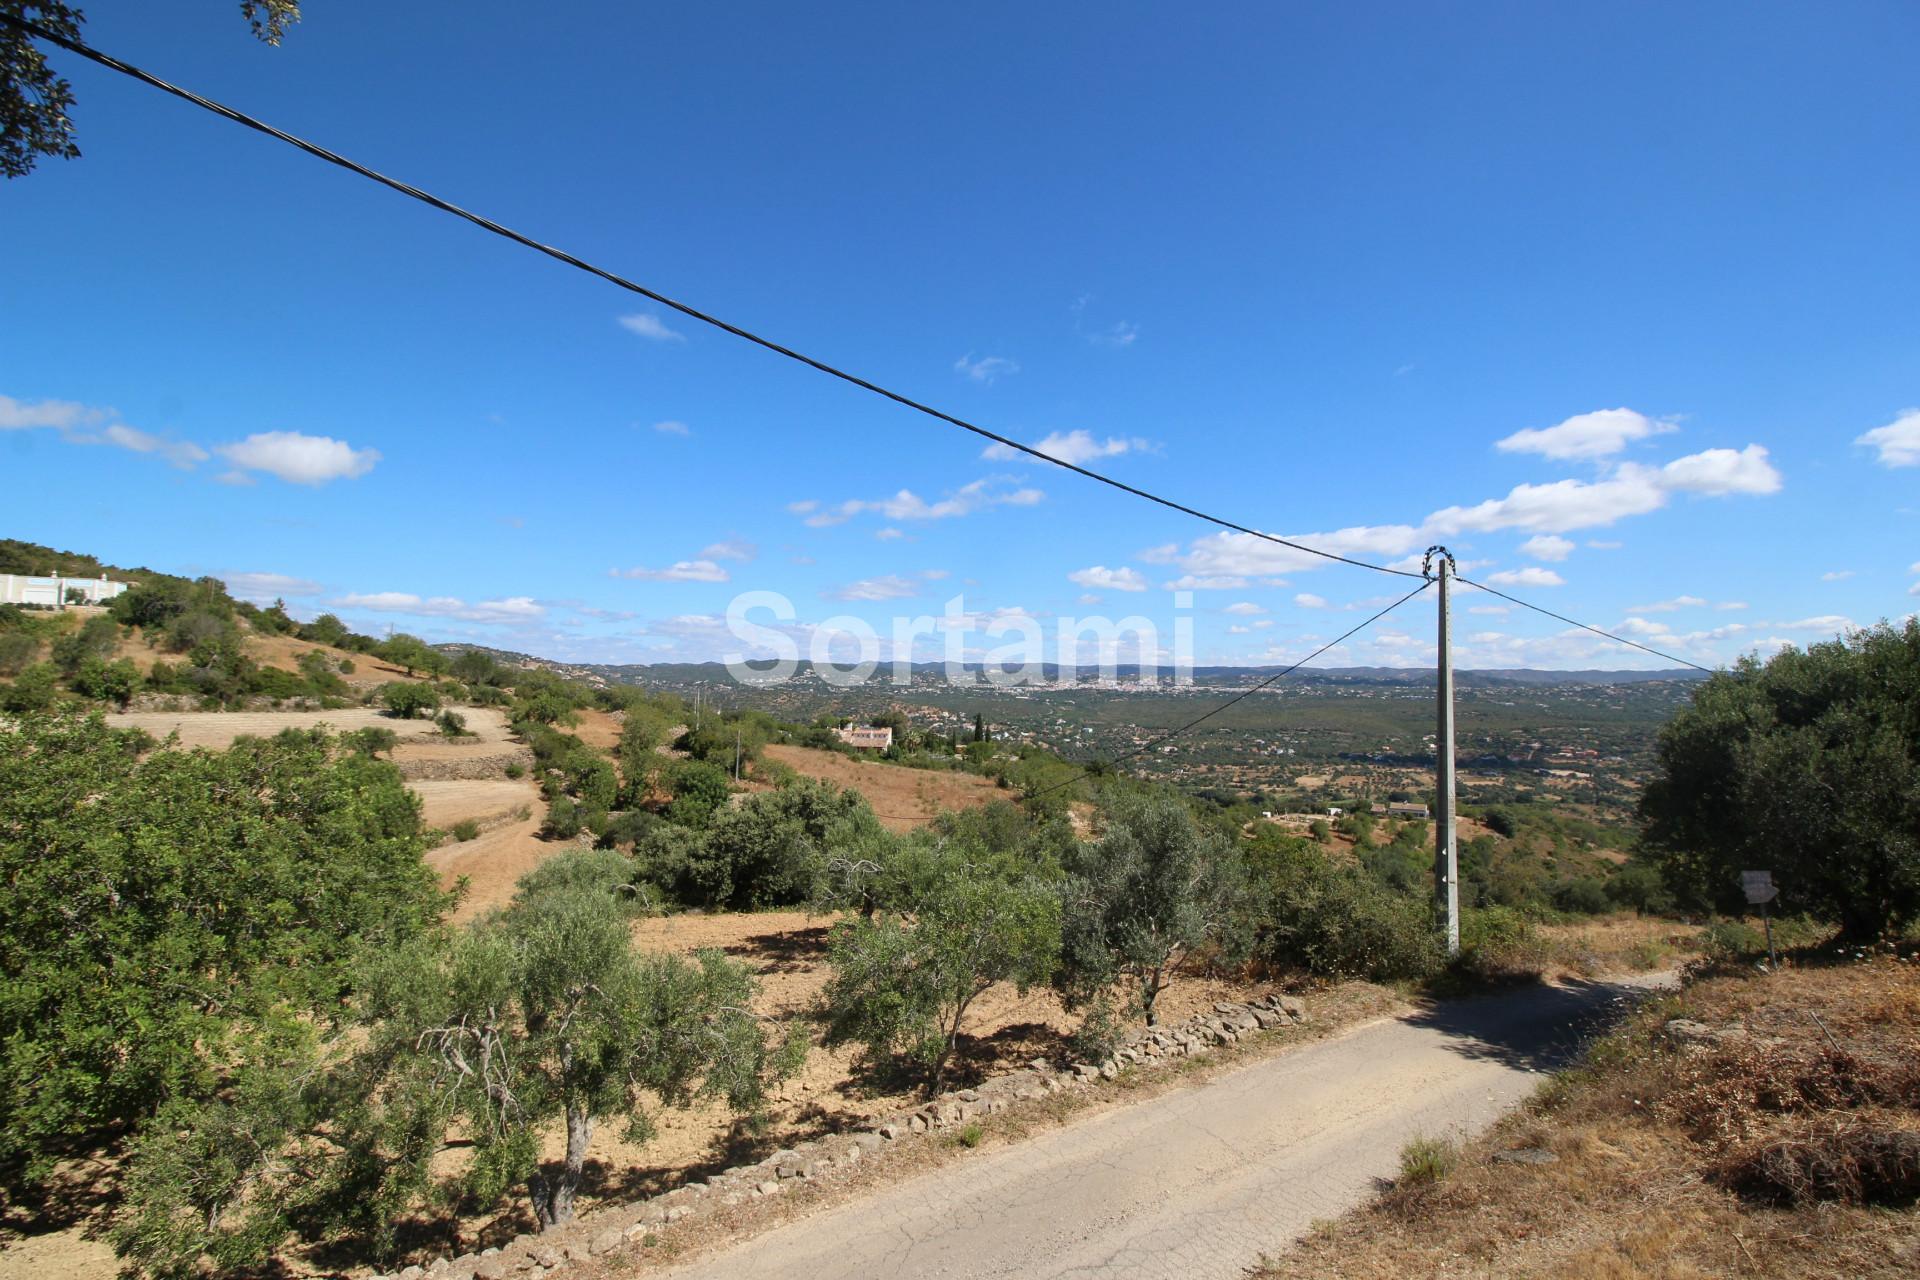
column 1618, row 302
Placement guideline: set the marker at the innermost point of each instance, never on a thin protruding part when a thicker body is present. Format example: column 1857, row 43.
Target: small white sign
column 1759, row 887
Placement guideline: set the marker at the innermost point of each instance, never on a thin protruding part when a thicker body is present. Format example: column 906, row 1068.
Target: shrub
column 515, row 770
column 698, row 790
column 370, row 741
column 902, row 987
column 1139, row 900
column 407, row 700
column 1584, row 896
column 32, row 690
column 145, row 928
column 1425, row 1161
column 17, row 651
column 563, row 818
column 451, row 723
column 1310, row 913
column 94, row 641
column 464, row 830
column 114, row 682
column 1732, row 940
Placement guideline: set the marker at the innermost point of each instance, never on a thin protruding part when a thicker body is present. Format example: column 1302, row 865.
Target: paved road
column 1198, row 1183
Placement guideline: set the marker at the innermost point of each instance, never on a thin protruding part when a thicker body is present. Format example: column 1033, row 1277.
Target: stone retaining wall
column 465, row 768
column 615, row 1227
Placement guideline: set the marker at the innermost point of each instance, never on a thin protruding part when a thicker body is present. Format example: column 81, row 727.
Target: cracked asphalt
column 1202, row 1181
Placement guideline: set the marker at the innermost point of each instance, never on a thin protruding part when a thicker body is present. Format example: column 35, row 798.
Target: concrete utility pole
column 1446, row 845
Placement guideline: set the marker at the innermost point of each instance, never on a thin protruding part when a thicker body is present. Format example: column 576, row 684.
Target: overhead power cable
column 1560, row 617
column 691, row 312
column 1281, row 674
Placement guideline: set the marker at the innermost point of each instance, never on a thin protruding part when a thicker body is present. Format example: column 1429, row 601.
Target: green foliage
column 1307, row 912
column 1638, row 887
column 545, row 1017
column 94, row 641
column 411, row 654
column 114, row 682
column 1583, row 896
column 1424, row 1161
column 152, row 905
column 901, row 987
column 408, row 700
column 1143, row 897
column 698, row 790
column 18, row 648
column 464, row 830
column 451, row 724
column 32, row 690
column 370, row 741
column 1808, row 766
column 773, row 848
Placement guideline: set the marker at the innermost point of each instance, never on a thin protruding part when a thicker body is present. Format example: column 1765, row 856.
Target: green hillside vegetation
column 231, row 970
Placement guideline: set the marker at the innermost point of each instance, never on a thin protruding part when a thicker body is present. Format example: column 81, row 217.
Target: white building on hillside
column 53, row 591
column 866, row 738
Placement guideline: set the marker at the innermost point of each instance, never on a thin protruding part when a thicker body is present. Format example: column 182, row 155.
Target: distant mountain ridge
column 602, row 673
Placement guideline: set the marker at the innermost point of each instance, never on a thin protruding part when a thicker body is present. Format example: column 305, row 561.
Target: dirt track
column 1199, row 1182
column 220, row 728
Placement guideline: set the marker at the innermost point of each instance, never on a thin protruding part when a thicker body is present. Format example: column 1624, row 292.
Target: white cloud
column 1494, row 610
column 908, row 505
column 1101, row 578
column 1836, row 575
column 1731, row 604
column 1531, row 576
column 1631, row 490
column 298, row 458
column 678, row 571
column 1122, row 334
column 1166, row 553
column 1668, row 606
column 1898, row 441
column 264, row 588
column 1547, row 546
column 935, row 575
column 514, row 609
column 888, row 534
column 1070, row 446
column 987, row 369
column 77, row 424
column 63, row 415
column 890, row 587
column 1090, row 598
column 673, row 427
column 1831, row 623
column 1206, row 582
column 181, row 453
column 1600, row 544
column 1600, row 434
column 1244, row 608
column 731, row 549
column 1307, row 600
column 1717, row 472
column 651, row 326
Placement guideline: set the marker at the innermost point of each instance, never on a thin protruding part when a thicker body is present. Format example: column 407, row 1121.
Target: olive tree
column 546, row 1017
column 1140, row 899
column 902, row 984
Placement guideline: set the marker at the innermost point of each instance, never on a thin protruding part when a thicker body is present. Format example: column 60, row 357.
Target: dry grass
column 1783, row 1142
